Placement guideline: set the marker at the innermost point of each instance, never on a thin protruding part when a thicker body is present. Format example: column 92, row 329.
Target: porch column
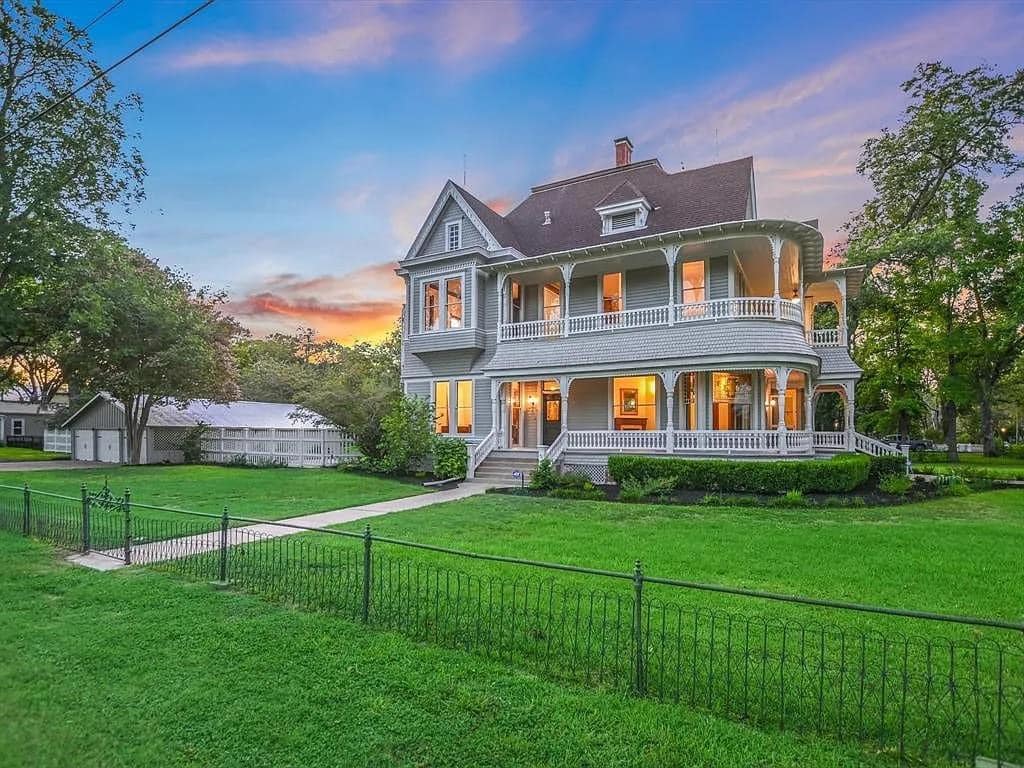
column 781, row 380
column 670, row 379
column 808, row 405
column 496, row 408
column 502, row 399
column 566, row 270
column 842, row 312
column 776, row 244
column 848, row 411
column 670, row 259
column 502, row 279
column 563, row 390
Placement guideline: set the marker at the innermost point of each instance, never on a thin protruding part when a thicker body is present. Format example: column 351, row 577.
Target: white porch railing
column 57, row 440
column 726, row 309
column 830, row 441
column 554, row 451
column 617, row 440
column 749, row 307
column 747, row 441
column 531, row 329
column 479, row 452
column 647, row 317
column 826, row 337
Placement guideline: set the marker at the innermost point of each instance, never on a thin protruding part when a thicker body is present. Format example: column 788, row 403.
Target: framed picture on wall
column 629, row 401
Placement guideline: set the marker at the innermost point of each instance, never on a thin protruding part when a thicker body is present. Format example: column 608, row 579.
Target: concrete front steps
column 499, row 466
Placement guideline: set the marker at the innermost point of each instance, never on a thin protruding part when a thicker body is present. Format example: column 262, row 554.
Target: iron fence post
column 127, row 527
column 367, row 571
column 86, row 505
column 224, row 546
column 639, row 667
column 26, row 522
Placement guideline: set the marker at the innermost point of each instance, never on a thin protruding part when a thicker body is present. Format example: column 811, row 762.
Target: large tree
column 928, row 176
column 63, row 172
column 147, row 336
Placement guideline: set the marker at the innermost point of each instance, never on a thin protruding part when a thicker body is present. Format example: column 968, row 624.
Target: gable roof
column 240, row 413
column 713, row 194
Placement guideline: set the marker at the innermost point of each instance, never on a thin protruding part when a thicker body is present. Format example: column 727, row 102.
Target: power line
column 99, row 18
column 43, row 112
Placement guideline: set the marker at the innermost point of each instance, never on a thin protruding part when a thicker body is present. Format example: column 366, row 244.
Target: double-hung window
column 453, row 302
column 442, row 423
column 611, row 292
column 552, row 293
column 693, row 281
column 464, row 407
column 17, row 427
column 453, row 235
column 515, row 302
column 431, row 306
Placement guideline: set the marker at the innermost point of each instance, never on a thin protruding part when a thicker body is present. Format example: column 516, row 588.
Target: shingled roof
column 682, row 200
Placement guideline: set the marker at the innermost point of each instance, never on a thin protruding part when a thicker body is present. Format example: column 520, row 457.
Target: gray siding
column 718, row 280
column 419, row 389
column 646, row 287
column 489, row 302
column 531, row 302
column 35, row 423
column 435, row 242
column 482, row 407
column 588, row 404
column 583, row 296
column 102, row 414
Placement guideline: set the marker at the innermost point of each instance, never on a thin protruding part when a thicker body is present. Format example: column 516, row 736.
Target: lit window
column 611, row 292
column 634, row 406
column 731, row 400
column 431, row 306
column 17, row 427
column 693, row 281
column 464, row 406
column 689, row 400
column 441, row 411
column 552, row 301
column 515, row 302
column 453, row 233
column 453, row 307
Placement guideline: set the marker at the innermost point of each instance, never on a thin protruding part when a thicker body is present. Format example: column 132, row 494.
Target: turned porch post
column 808, row 405
column 776, row 244
column 566, row 270
column 781, row 380
column 670, row 379
column 670, row 259
column 563, row 391
column 848, row 412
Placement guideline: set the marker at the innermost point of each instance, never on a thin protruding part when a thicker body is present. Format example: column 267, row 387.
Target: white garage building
column 244, row 430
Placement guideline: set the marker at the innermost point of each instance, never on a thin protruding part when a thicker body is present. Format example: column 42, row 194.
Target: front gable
column 450, row 207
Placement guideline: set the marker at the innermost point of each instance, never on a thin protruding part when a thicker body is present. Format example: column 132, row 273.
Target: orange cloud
column 362, row 305
column 500, row 205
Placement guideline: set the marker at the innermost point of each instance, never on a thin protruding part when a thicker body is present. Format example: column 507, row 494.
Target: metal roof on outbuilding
column 240, row 413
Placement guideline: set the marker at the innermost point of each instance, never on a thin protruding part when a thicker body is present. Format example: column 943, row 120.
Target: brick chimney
column 623, row 151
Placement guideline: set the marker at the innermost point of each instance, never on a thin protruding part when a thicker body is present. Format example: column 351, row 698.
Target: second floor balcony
column 747, row 307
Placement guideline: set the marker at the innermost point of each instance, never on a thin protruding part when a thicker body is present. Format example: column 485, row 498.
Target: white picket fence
column 57, row 440
column 293, row 447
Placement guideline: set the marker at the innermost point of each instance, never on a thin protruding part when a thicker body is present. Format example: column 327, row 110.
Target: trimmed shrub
column 840, row 474
column 451, row 457
column 635, row 489
column 882, row 466
column 544, row 477
column 895, row 485
column 791, row 499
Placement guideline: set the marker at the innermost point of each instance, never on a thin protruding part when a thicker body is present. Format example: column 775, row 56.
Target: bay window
column 462, row 423
column 442, row 422
column 431, row 306
column 453, row 302
column 464, row 407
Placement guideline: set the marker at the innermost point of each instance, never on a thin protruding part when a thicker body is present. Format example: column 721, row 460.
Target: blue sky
column 294, row 148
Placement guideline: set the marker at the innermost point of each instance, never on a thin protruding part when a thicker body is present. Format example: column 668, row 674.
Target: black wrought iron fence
column 915, row 694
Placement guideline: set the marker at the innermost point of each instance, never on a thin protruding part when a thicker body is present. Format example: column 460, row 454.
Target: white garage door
column 108, row 446
column 84, row 442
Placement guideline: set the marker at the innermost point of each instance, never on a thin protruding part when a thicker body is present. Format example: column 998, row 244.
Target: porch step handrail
column 480, row 451
column 873, row 447
column 554, row 451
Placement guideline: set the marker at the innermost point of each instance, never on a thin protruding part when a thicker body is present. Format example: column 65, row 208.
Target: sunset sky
column 294, row 148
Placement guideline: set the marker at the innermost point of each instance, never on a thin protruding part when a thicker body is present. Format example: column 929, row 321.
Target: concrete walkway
column 39, row 466
column 188, row 546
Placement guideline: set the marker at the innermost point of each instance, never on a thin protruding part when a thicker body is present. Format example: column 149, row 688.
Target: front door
column 552, row 427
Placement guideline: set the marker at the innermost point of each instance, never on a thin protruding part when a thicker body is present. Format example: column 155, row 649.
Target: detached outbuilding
column 243, row 431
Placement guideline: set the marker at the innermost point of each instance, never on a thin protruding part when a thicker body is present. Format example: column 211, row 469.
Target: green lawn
column 139, row 668
column 266, row 493
column 972, row 465
column 14, row 453
column 953, row 555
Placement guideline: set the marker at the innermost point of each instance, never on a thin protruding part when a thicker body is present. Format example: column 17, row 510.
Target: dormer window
column 625, row 208
column 453, row 235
